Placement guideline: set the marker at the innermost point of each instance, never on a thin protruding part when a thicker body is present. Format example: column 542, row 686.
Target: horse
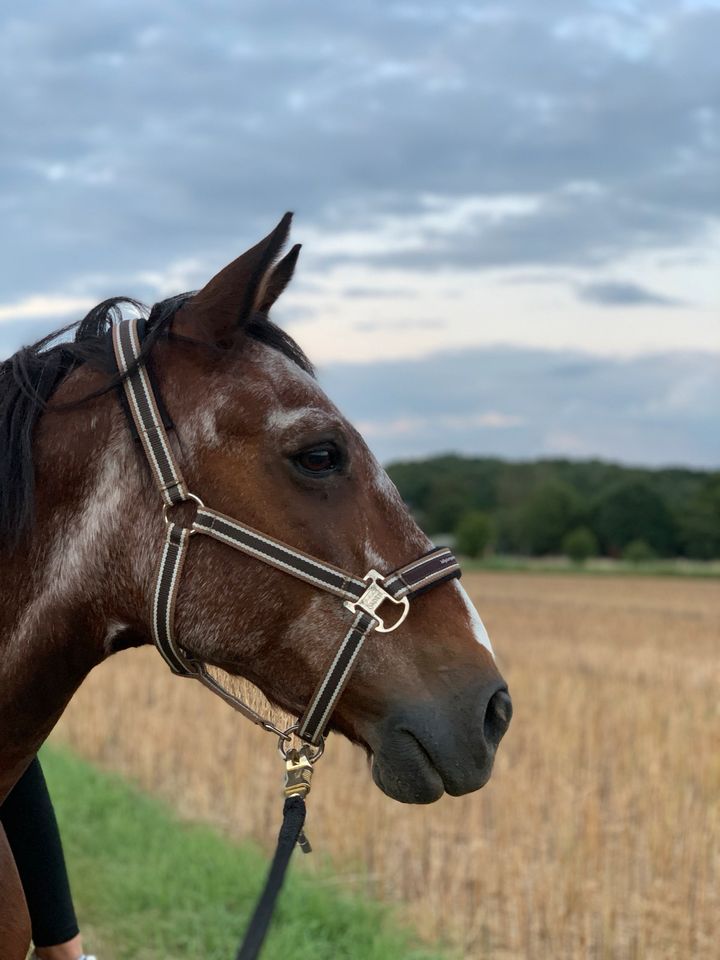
column 81, row 530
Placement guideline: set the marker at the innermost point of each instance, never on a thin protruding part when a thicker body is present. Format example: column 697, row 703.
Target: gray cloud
column 377, row 292
column 401, row 323
column 580, row 224
column 659, row 409
column 143, row 133
column 612, row 293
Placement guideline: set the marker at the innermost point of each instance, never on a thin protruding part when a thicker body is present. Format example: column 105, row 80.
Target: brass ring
column 191, row 496
column 285, row 738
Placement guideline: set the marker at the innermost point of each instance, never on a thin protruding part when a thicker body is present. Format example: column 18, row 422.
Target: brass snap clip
column 298, row 763
column 298, row 773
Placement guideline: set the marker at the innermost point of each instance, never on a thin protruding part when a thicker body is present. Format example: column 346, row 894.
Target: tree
column 700, row 524
column 442, row 489
column 473, row 533
column 551, row 511
column 637, row 551
column 508, row 526
column 534, row 504
column 632, row 510
column 579, row 544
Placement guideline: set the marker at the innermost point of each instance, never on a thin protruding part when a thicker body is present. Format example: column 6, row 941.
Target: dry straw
column 599, row 834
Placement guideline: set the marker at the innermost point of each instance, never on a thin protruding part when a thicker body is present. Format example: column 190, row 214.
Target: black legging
column 32, row 831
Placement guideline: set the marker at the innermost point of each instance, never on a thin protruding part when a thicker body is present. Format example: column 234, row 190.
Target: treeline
column 578, row 508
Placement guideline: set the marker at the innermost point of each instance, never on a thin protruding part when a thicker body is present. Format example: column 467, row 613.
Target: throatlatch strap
column 146, row 415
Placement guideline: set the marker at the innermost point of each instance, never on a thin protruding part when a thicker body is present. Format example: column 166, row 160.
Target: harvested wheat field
column 599, row 834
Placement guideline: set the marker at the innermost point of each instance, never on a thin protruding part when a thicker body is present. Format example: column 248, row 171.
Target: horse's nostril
column 498, row 716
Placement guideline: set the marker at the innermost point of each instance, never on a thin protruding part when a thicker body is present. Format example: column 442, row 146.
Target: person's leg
column 32, row 831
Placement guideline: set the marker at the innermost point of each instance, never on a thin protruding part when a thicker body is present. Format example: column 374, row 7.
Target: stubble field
column 599, row 833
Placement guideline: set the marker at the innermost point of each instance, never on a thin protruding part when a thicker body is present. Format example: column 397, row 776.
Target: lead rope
column 290, row 831
column 363, row 597
column 298, row 774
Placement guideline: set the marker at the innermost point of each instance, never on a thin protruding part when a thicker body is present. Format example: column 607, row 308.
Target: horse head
column 259, row 440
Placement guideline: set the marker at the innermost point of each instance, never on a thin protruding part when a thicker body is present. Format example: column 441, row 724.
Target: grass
column 155, row 889
column 598, row 836
column 602, row 566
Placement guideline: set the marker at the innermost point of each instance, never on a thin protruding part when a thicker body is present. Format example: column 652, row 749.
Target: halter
column 361, row 596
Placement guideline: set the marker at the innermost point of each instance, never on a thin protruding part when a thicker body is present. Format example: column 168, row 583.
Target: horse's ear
column 241, row 289
column 277, row 279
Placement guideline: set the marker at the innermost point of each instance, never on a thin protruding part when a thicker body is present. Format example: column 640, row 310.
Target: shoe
column 87, row 956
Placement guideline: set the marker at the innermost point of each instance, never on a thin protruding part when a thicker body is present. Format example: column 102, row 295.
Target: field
column 599, row 834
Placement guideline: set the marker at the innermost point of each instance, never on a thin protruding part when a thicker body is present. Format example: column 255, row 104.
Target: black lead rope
column 290, row 832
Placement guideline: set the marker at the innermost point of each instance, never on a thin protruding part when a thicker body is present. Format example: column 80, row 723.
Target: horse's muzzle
column 421, row 751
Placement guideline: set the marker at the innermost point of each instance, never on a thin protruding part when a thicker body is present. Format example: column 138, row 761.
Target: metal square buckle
column 375, row 596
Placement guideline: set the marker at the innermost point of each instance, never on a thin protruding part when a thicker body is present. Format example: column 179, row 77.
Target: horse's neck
column 76, row 581
column 46, row 649
column 54, row 601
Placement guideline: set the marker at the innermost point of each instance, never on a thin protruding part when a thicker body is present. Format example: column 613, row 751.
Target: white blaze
column 478, row 627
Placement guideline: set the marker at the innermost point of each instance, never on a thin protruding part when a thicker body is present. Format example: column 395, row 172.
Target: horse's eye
column 319, row 461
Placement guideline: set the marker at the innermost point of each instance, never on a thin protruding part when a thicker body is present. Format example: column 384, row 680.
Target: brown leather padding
column 14, row 918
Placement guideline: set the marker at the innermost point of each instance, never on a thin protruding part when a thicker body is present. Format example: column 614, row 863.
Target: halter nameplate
column 362, row 596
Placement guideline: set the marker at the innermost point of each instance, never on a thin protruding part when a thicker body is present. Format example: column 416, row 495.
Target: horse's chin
column 407, row 773
column 415, row 782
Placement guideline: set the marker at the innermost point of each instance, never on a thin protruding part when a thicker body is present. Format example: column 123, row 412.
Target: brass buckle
column 374, row 597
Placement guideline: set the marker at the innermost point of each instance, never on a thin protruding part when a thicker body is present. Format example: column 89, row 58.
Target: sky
column 510, row 212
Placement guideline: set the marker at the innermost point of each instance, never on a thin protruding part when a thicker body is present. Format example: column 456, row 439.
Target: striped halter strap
column 362, row 596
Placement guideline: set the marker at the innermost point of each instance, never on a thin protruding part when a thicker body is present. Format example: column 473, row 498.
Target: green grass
column 148, row 887
column 597, row 566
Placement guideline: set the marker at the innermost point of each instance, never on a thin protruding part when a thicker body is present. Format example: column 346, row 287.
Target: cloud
column 143, row 136
column 377, row 292
column 434, row 424
column 41, row 307
column 654, row 409
column 613, row 293
column 425, row 148
column 411, row 324
column 581, row 224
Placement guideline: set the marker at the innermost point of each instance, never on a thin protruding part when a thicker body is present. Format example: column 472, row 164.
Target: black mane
column 29, row 378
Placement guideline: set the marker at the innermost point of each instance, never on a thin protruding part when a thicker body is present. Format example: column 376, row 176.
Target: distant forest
column 578, row 508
